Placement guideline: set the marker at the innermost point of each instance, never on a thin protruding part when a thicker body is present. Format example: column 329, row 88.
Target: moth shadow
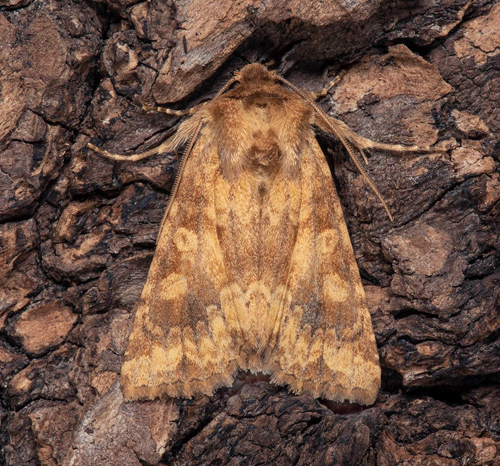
column 246, row 381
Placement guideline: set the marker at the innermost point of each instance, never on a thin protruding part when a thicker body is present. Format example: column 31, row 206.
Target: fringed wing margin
column 180, row 343
column 325, row 345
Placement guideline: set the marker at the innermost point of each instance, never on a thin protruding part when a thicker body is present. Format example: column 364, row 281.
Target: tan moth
column 254, row 268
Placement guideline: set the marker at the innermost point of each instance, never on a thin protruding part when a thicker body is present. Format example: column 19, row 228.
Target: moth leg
column 168, row 111
column 364, row 143
column 167, row 146
column 346, row 135
column 343, row 132
column 128, row 158
column 328, row 87
column 187, row 133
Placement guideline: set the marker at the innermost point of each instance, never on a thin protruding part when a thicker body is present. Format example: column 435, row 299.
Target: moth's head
column 255, row 72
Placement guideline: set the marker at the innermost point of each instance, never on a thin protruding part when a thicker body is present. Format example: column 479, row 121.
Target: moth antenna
column 359, row 166
column 227, row 86
column 343, row 135
column 364, row 156
column 180, row 171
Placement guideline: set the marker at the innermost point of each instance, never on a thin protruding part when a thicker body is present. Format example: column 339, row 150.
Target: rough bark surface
column 77, row 233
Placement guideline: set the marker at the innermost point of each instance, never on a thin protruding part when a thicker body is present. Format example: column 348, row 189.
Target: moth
column 254, row 268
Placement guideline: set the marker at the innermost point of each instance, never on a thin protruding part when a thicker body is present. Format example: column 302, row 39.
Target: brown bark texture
column 77, row 232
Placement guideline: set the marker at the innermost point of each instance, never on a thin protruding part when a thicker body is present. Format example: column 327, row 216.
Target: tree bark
column 77, row 232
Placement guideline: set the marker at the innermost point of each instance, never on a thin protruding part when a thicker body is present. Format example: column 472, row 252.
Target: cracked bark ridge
column 77, row 232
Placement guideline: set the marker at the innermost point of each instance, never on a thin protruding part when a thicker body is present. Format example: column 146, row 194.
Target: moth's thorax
column 259, row 126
